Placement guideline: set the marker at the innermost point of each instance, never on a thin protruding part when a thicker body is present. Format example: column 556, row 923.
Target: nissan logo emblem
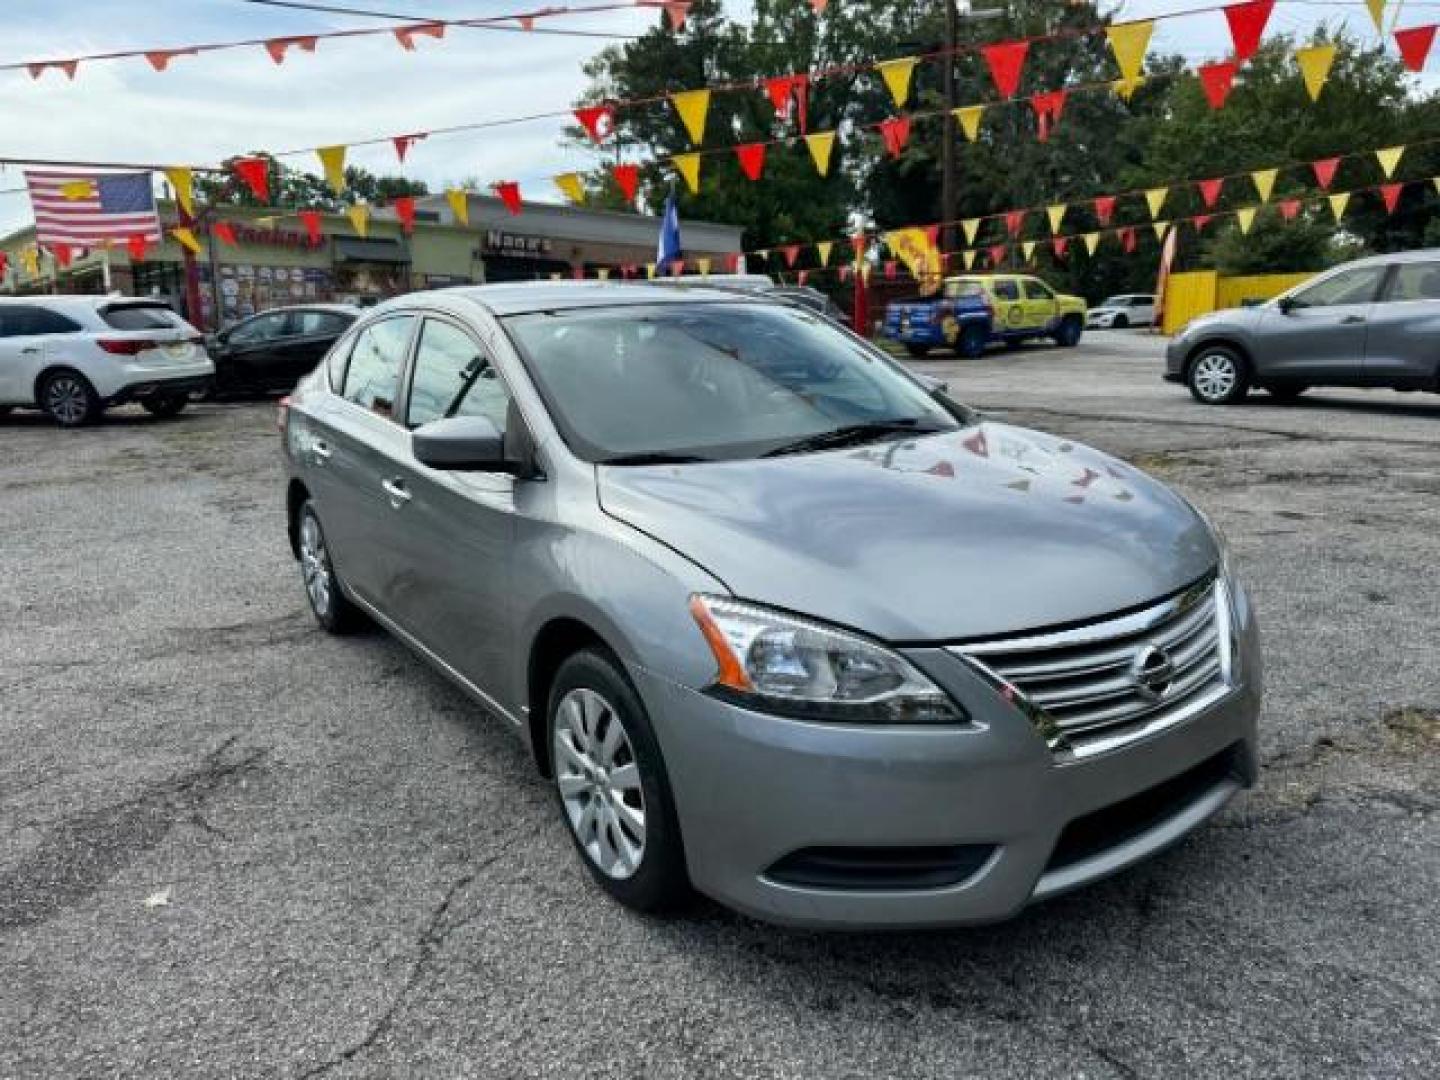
column 1152, row 672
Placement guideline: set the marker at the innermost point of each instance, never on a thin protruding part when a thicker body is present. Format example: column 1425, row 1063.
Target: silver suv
column 1372, row 322
column 779, row 622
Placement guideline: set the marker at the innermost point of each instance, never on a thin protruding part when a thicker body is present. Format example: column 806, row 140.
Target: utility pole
column 949, row 195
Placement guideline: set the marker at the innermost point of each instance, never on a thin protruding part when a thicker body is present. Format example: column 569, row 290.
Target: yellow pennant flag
column 1337, row 204
column 1126, row 88
column 896, row 74
column 603, row 273
column 187, row 238
column 74, row 190
column 968, row 117
column 183, row 181
column 693, row 106
column 1155, row 199
column 704, row 265
column 1377, row 12
column 688, row 166
column 1315, row 61
column 1264, row 182
column 823, row 249
column 332, row 160
column 1028, row 249
column 1245, row 218
column 30, row 256
column 968, row 258
column 1160, row 228
column 359, row 216
column 1389, row 159
column 569, row 185
column 821, row 144
column 1129, row 41
column 1092, row 241
column 650, row 270
column 459, row 204
column 1436, row 181
column 971, row 227
column 1056, row 214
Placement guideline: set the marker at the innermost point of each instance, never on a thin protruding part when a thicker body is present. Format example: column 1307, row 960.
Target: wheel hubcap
column 66, row 400
column 599, row 782
column 315, row 565
column 1215, row 376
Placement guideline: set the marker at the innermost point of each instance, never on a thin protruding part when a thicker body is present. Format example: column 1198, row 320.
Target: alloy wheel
column 67, row 399
column 599, row 782
column 315, row 566
column 1215, row 376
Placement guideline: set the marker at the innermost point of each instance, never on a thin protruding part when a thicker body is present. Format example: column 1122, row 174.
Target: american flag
column 87, row 208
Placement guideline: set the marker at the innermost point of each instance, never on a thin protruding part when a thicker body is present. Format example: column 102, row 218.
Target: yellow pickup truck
column 976, row 309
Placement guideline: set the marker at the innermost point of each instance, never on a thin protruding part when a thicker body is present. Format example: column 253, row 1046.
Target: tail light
column 282, row 414
column 123, row 346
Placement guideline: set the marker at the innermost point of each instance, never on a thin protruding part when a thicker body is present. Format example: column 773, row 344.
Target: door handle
column 1351, row 320
column 399, row 496
column 30, row 350
column 321, row 451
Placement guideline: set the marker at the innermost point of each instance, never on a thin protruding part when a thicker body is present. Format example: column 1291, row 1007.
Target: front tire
column 971, row 342
column 171, row 405
column 69, row 399
column 1218, row 375
column 1067, row 336
column 611, row 785
column 335, row 613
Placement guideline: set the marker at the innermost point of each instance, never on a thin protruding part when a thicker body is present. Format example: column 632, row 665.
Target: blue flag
column 669, row 248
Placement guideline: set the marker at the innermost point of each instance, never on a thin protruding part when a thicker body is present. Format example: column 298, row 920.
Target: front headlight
column 784, row 664
column 1227, row 613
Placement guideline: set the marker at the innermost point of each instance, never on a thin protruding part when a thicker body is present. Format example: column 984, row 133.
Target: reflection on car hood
column 988, row 530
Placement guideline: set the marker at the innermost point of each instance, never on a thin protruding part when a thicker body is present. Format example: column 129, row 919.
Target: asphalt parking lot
column 233, row 846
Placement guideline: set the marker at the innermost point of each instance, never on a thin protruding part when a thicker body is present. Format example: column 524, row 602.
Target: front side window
column 317, row 323
column 373, row 375
column 24, row 321
column 1415, row 281
column 259, row 329
column 1005, row 289
column 1355, row 286
column 710, row 381
column 1037, row 290
column 453, row 377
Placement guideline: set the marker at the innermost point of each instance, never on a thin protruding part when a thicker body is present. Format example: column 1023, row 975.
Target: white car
column 74, row 356
column 1118, row 312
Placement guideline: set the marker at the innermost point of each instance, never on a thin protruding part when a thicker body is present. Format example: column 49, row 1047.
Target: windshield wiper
column 653, row 459
column 853, row 434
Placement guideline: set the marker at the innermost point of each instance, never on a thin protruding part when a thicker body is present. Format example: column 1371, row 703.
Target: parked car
column 759, row 285
column 75, row 356
column 970, row 312
column 1372, row 322
column 779, row 622
column 1119, row 312
column 270, row 351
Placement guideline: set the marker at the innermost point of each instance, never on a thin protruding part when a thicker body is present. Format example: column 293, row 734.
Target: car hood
column 991, row 529
column 1238, row 317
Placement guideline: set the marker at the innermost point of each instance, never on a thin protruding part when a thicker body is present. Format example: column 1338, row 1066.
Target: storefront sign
column 515, row 244
column 281, row 238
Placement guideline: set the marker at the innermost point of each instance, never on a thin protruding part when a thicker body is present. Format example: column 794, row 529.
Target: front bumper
column 1175, row 353
column 752, row 789
column 1094, row 321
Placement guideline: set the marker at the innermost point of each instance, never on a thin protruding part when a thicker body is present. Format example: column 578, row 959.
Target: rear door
column 1403, row 343
column 1322, row 335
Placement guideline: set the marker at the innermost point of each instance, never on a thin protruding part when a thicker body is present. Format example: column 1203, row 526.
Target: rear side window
column 140, row 317
column 309, row 323
column 260, row 328
column 373, row 375
column 1005, row 289
column 18, row 320
column 1415, row 281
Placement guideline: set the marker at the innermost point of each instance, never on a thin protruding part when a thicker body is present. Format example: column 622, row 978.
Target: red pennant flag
column 1216, row 80
column 527, row 22
column 277, row 47
column 160, row 60
column 63, row 254
column 997, row 254
column 597, row 120
column 69, row 67
column 844, row 274
column 404, row 142
column 137, row 245
column 802, row 277
column 1210, row 190
column 1047, row 108
column 1006, row 60
column 225, row 232
column 1060, row 245
column 405, row 211
column 677, row 10
column 509, row 192
column 892, row 269
column 406, row 35
column 735, row 262
column 628, row 177
column 932, row 237
column 5, row 265
column 858, row 244
column 896, row 133
column 255, row 172
column 677, row 266
column 780, row 90
column 1104, row 208
column 1247, row 22
column 1289, row 208
column 578, row 273
column 1127, row 238
column 752, row 159
column 818, row 6
column 1390, row 193
column 791, row 253
column 1200, row 221
column 311, row 220
column 1014, row 221
column 1325, row 171
column 1414, row 45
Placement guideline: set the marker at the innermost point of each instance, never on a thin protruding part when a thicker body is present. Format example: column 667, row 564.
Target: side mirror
column 931, row 384
column 1287, row 304
column 462, row 444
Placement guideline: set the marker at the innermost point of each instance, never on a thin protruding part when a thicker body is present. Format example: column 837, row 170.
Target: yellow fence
column 1201, row 291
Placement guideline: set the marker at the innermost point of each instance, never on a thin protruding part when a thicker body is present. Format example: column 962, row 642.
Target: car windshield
column 713, row 381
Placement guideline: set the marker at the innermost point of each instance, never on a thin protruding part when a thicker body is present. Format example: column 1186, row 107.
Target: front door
column 306, row 336
column 249, row 352
column 1041, row 307
column 1319, row 332
column 1403, row 345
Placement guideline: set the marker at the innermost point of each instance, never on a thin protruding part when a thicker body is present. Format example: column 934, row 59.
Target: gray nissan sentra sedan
column 780, row 623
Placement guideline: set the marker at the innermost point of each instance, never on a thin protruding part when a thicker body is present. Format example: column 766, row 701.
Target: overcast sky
column 205, row 108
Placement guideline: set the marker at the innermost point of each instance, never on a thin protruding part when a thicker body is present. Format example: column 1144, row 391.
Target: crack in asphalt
column 82, row 852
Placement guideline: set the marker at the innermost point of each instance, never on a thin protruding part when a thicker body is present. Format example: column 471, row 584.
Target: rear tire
column 335, row 613
column 69, row 399
column 917, row 350
column 1218, row 375
column 611, row 785
column 971, row 342
column 1067, row 336
column 1120, row 323
column 172, row 405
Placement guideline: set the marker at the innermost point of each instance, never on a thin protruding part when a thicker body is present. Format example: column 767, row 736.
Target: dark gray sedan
column 778, row 621
column 1371, row 323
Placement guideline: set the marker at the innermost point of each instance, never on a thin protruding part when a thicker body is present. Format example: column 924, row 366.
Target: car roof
column 338, row 309
column 524, row 297
column 1421, row 255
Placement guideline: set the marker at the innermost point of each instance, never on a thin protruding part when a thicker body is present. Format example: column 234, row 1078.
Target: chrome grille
column 1096, row 687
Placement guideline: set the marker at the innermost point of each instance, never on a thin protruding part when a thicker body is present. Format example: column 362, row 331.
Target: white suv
column 73, row 356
